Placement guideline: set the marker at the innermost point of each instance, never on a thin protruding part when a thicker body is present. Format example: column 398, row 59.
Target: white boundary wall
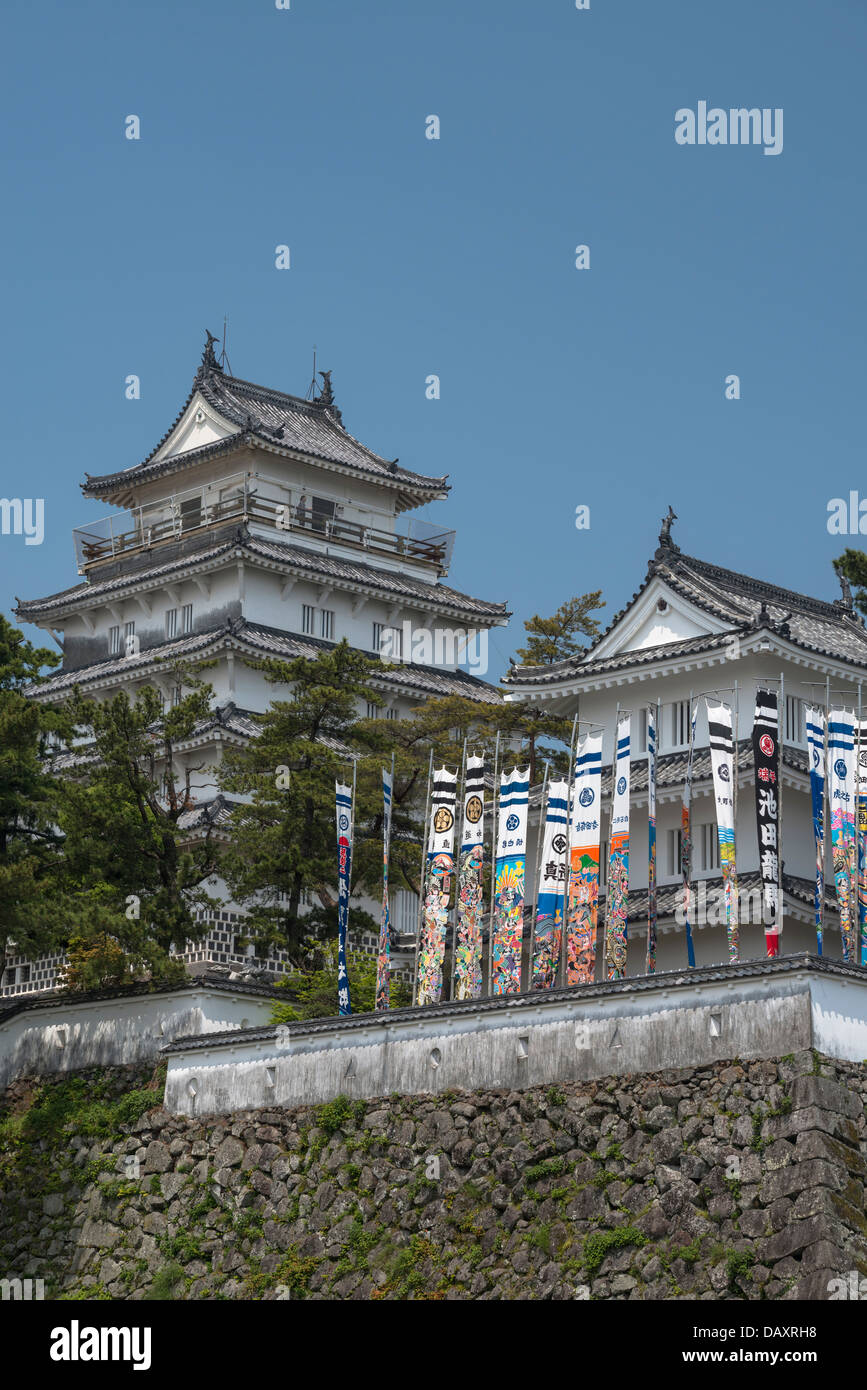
column 68, row 1034
column 689, row 1019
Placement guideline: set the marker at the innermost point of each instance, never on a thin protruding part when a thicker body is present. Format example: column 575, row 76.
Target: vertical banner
column 438, row 887
column 816, row 722
column 861, row 830
column 766, row 763
column 384, row 956
column 468, row 947
column 583, row 898
column 343, row 796
column 552, row 877
column 686, row 839
column 719, row 724
column 617, row 888
column 509, row 883
column 841, row 795
column 651, row 841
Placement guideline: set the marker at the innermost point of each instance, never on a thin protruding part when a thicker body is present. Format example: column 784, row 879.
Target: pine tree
column 283, row 847
column 134, row 875
column 852, row 565
column 555, row 638
column 30, row 862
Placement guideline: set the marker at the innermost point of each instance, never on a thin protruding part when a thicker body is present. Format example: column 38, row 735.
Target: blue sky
column 560, row 387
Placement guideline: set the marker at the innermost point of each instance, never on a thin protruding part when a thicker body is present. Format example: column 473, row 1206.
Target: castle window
column 675, row 841
column 795, row 727
column 323, row 513
column 191, row 513
column 641, row 733
column 372, row 710
column 403, row 911
column 327, row 624
column 391, row 714
column 115, row 645
column 388, row 641
column 679, row 725
column 709, row 843
column 187, row 618
column 171, row 623
column 308, row 619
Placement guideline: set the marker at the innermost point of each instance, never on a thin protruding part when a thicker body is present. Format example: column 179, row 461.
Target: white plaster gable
column 647, row 625
column 199, row 425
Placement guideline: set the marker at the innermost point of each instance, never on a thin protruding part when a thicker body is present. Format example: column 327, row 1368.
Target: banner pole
column 650, row 962
column 494, row 812
column 535, row 898
column 608, row 855
column 422, row 878
column 860, row 955
column 825, row 803
column 733, row 892
column 782, row 762
column 460, row 798
column 686, row 850
column 562, row 971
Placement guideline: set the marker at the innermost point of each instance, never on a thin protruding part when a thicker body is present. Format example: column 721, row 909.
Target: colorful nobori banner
column 766, row 762
column 617, row 888
column 861, row 830
column 816, row 726
column 438, row 886
column 686, row 838
column 719, row 724
column 841, row 796
column 651, row 841
column 343, row 796
column 552, row 879
column 583, row 894
column 383, row 960
column 468, row 947
column 509, row 883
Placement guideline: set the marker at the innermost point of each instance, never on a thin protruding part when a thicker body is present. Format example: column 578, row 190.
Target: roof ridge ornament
column 666, row 546
column 845, row 601
column 326, row 395
column 326, row 398
column 209, row 361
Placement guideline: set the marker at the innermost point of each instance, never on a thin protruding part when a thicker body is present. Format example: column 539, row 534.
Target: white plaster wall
column 521, row 1044
column 839, row 1024
column 111, row 1032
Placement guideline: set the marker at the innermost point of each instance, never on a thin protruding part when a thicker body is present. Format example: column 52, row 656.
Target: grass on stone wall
column 78, row 1104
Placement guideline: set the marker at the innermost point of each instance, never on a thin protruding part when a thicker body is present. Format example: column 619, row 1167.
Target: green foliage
column 89, row 1293
column 549, row 1168
column 315, row 992
column 182, row 1246
column 336, row 1114
column 555, row 1097
column 283, row 840
column 555, row 638
column 31, row 868
column 165, row 1282
column 738, row 1265
column 852, row 565
column 540, row 1237
column 599, row 1243
column 133, row 876
column 78, row 1105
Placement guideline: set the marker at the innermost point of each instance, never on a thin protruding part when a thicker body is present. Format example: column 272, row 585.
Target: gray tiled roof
column 131, row 572
column 669, row 897
column 744, row 604
column 261, row 642
column 277, row 419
